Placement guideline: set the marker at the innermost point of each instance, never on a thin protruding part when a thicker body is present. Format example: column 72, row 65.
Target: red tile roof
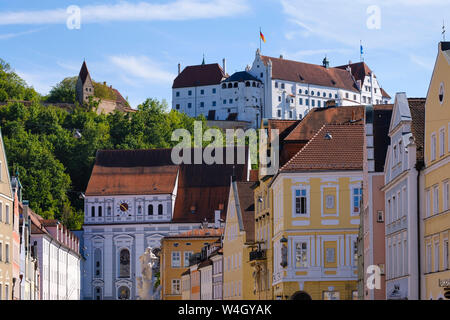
column 202, row 188
column 342, row 151
column 199, row 233
column 199, row 75
column 296, row 71
column 417, row 108
column 359, row 70
column 384, row 94
column 317, row 117
column 135, row 180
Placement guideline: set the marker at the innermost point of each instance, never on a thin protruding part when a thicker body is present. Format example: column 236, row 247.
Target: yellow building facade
column 436, row 204
column 237, row 243
column 316, row 215
column 174, row 258
column 261, row 260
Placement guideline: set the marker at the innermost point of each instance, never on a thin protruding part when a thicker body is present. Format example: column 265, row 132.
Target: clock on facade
column 441, row 93
column 123, row 207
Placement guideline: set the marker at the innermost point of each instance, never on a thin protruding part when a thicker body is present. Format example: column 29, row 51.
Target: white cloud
column 403, row 23
column 422, row 62
column 6, row 36
column 141, row 68
column 126, row 11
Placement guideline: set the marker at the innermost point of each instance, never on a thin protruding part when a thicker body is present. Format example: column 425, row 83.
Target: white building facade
column 401, row 209
column 273, row 88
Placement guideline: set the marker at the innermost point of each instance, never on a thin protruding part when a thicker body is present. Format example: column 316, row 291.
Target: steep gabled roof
column 381, row 120
column 359, row 70
column 84, row 72
column 333, row 147
column 199, row 75
column 247, row 206
column 296, row 71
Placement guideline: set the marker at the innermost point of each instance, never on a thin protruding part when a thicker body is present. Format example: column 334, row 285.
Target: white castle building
column 272, row 88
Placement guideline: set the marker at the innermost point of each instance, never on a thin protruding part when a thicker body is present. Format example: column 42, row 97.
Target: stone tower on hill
column 109, row 98
column 85, row 86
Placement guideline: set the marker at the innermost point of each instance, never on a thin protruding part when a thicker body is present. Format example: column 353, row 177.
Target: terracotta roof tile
column 417, row 108
column 317, row 117
column 343, row 150
column 295, row 71
column 199, row 233
column 134, row 180
column 247, row 203
column 359, row 70
column 199, row 75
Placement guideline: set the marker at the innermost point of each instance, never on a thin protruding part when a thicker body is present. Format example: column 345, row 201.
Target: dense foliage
column 54, row 164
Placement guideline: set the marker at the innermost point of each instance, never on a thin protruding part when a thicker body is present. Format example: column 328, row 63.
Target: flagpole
column 259, row 39
column 360, row 51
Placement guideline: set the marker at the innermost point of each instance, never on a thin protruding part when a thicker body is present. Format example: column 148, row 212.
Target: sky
column 135, row 46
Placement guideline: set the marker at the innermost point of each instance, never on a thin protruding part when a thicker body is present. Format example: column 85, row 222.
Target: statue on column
column 145, row 283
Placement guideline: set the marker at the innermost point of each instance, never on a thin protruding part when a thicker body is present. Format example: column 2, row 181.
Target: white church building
column 133, row 199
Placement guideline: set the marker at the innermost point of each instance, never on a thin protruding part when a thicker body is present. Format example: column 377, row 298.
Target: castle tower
column 84, row 87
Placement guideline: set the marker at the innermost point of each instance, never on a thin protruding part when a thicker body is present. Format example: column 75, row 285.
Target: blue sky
column 136, row 45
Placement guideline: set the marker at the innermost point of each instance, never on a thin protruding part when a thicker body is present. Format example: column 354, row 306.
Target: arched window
column 93, row 211
column 160, row 209
column 235, row 84
column 139, row 209
column 97, row 263
column 124, row 263
column 99, row 211
column 150, row 209
column 109, row 210
column 247, row 84
column 224, row 86
column 123, row 293
column 253, row 84
column 230, row 85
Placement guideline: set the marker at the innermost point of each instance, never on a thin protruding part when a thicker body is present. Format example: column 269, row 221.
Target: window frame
column 306, row 189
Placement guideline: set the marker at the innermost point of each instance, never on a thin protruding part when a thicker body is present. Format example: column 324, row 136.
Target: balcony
column 258, row 255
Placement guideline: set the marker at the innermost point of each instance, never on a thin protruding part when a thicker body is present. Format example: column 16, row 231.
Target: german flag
column 262, row 37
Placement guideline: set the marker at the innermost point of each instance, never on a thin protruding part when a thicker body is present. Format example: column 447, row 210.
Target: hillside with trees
column 53, row 161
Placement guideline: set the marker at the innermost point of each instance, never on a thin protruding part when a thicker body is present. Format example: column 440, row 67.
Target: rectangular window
column 276, row 84
column 300, row 101
column 433, row 147
column 427, row 203
column 301, row 258
column 176, row 261
column 202, row 104
column 202, row 91
column 214, row 90
column 331, row 295
column 313, row 102
column 356, row 200
column 187, row 255
column 282, row 86
column 7, row 253
column 189, row 105
column 6, row 292
column 446, row 195
column 445, row 254
column 307, row 102
column 213, row 103
column 7, row 214
column 441, row 142
column 279, row 113
column 428, row 254
column 177, row 93
column 436, row 256
column 435, row 199
column 190, row 93
column 301, row 202
column 329, row 202
column 318, row 103
column 177, row 106
column 176, row 286
column 355, row 253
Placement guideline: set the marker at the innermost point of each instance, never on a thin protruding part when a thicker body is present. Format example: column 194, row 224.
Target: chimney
column 179, row 68
column 224, row 66
column 216, row 219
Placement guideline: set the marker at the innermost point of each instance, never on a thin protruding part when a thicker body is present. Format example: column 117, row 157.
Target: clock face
column 441, row 93
column 123, row 207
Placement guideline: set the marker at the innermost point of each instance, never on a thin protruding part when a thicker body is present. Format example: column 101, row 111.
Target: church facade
column 136, row 197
